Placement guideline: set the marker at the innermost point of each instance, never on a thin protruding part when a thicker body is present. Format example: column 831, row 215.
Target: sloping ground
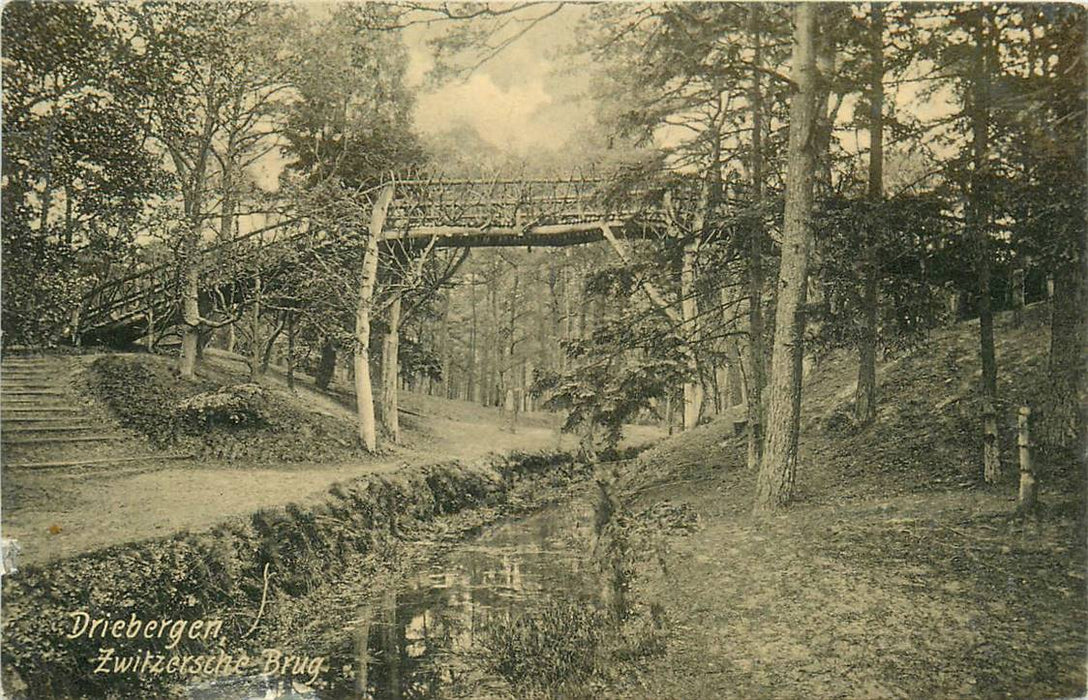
column 895, row 575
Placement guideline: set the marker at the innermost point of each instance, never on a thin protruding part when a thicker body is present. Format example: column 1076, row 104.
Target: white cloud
column 503, row 117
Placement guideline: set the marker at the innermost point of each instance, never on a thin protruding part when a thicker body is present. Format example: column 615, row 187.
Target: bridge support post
column 390, row 372
column 364, row 389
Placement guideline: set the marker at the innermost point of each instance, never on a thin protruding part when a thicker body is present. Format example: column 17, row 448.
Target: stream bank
column 220, row 574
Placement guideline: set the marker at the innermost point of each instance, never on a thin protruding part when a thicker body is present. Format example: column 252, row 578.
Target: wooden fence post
column 1027, row 499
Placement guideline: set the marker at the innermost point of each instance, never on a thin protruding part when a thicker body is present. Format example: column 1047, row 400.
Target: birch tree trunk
column 193, row 196
column 390, row 372
column 364, row 391
column 865, row 398
column 774, row 486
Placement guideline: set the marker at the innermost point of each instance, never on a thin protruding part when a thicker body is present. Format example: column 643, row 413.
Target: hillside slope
column 895, row 574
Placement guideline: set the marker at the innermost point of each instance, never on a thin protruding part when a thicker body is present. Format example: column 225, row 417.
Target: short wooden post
column 991, row 450
column 1027, row 500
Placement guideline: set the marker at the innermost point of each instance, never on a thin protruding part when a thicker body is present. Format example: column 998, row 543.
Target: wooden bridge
column 433, row 213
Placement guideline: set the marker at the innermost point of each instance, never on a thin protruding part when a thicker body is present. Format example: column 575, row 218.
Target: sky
column 519, row 101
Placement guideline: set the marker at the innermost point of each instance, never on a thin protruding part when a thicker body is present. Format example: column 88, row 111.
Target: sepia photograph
column 531, row 350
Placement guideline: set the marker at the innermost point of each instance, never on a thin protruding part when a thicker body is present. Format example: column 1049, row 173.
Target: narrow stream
column 423, row 640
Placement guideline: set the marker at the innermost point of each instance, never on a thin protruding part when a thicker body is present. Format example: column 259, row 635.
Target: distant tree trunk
column 190, row 309
column 865, row 398
column 473, row 392
column 390, row 372
column 1018, row 297
column 270, row 343
column 447, row 350
column 693, row 395
column 255, row 331
column 756, row 376
column 777, row 471
column 978, row 222
column 290, row 350
column 326, row 366
column 68, row 209
column 364, row 392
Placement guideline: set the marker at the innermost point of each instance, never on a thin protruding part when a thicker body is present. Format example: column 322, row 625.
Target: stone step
column 49, row 429
column 26, row 403
column 60, row 439
column 33, row 392
column 22, row 408
column 36, row 420
column 9, row 387
column 96, row 462
column 6, row 374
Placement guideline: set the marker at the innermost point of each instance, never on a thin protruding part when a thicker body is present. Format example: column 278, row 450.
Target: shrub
column 233, row 406
column 238, row 422
column 140, row 394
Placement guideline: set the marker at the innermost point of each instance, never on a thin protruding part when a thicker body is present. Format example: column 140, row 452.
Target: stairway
column 46, row 423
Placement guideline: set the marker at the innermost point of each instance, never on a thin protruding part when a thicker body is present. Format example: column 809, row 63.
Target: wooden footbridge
column 433, row 213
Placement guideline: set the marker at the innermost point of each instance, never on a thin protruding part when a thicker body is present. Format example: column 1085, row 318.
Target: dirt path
column 61, row 512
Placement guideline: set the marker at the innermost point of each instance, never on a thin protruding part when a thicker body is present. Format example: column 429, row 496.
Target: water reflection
column 422, row 641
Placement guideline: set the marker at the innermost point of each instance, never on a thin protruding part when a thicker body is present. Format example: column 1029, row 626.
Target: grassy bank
column 220, row 574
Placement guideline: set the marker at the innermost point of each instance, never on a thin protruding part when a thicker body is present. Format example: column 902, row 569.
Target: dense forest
column 847, row 176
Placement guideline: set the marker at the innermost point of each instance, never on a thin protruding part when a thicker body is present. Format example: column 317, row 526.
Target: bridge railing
column 417, row 204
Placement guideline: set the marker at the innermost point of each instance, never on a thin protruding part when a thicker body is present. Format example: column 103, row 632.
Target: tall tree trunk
column 777, row 472
column 364, row 391
column 1063, row 421
column 390, row 372
column 756, row 376
column 193, row 196
column 979, row 215
column 865, row 398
